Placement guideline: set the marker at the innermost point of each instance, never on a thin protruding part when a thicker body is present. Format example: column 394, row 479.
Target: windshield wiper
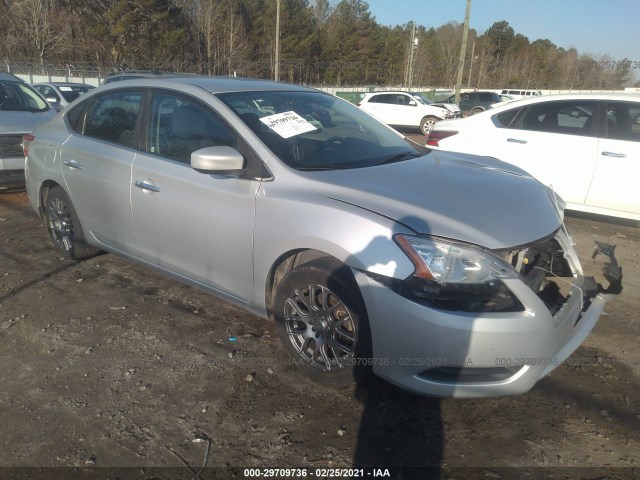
column 330, row 166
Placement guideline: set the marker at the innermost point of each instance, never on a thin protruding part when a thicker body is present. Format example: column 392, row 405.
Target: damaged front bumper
column 470, row 354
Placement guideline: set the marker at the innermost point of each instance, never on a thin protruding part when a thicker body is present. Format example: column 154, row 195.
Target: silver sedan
column 446, row 274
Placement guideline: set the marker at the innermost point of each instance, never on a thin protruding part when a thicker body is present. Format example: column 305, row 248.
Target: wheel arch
column 44, row 190
column 283, row 265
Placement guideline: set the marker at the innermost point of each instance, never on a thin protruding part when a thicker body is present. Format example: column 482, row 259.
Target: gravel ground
column 108, row 364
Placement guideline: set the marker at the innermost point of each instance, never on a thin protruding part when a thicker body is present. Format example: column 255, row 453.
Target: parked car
column 406, row 110
column 61, row 94
column 21, row 108
column 475, row 102
column 586, row 146
column 367, row 251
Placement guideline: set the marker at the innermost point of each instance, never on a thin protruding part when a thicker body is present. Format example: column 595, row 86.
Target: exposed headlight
column 452, row 276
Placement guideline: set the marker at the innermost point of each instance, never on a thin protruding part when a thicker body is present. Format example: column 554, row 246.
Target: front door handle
column 516, row 140
column 613, row 154
column 73, row 164
column 146, row 186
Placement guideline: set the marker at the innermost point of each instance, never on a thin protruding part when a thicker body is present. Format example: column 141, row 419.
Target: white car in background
column 61, row 94
column 407, row 110
column 585, row 146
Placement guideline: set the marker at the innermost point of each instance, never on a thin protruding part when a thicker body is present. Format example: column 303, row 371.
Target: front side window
column 112, row 117
column 178, row 126
column 48, row 92
column 623, row 121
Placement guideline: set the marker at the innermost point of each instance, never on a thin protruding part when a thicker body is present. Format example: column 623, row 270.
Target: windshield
column 317, row 131
column 71, row 92
column 20, row 97
column 421, row 98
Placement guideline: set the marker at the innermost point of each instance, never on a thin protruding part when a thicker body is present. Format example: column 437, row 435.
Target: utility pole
column 463, row 50
column 412, row 47
column 277, row 69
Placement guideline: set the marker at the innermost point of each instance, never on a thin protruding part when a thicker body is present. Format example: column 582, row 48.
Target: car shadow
column 398, row 430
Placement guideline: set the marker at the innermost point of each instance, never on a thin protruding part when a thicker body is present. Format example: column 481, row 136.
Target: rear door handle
column 516, row 140
column 613, row 154
column 146, row 186
column 73, row 164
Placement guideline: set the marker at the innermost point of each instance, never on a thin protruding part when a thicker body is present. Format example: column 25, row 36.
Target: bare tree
column 448, row 38
column 32, row 29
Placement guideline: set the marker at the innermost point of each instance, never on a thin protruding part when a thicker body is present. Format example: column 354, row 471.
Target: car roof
column 211, row 84
column 565, row 96
column 62, row 84
column 10, row 77
column 393, row 92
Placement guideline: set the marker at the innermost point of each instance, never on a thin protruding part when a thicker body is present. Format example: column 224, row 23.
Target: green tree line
column 320, row 43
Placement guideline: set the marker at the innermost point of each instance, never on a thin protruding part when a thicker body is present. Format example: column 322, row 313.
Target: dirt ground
column 104, row 363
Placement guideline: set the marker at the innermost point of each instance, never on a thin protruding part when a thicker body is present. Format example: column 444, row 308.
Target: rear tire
column 322, row 322
column 64, row 226
column 475, row 110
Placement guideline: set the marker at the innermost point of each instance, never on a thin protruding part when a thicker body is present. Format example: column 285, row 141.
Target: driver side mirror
column 413, row 103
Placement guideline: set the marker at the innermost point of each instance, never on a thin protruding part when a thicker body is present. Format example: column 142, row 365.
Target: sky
column 595, row 27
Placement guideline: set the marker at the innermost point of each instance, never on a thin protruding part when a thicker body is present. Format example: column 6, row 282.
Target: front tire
column 322, row 322
column 427, row 124
column 64, row 226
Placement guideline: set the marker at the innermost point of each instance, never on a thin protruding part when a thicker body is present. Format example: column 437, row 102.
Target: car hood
column 452, row 107
column 22, row 122
column 473, row 199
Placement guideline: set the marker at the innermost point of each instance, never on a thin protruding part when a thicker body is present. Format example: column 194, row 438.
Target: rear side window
column 623, row 121
column 504, row 119
column 383, row 99
column 566, row 117
column 75, row 117
column 112, row 117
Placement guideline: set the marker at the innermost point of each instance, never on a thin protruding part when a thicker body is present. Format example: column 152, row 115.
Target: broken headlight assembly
column 454, row 276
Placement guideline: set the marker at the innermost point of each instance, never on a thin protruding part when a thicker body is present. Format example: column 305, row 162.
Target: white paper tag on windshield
column 66, row 89
column 287, row 124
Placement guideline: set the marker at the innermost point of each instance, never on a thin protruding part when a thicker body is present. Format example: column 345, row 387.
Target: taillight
column 436, row 135
column 26, row 141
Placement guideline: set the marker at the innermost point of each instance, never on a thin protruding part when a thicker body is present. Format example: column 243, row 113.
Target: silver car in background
column 21, row 109
column 369, row 253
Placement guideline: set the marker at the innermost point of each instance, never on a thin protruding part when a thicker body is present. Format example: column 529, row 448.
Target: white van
column 516, row 93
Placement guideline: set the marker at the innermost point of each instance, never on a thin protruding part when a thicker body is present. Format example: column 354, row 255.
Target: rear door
column 615, row 183
column 96, row 165
column 383, row 107
column 196, row 225
column 554, row 141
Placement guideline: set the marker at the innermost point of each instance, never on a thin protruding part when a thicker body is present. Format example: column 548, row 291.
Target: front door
column 196, row 225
